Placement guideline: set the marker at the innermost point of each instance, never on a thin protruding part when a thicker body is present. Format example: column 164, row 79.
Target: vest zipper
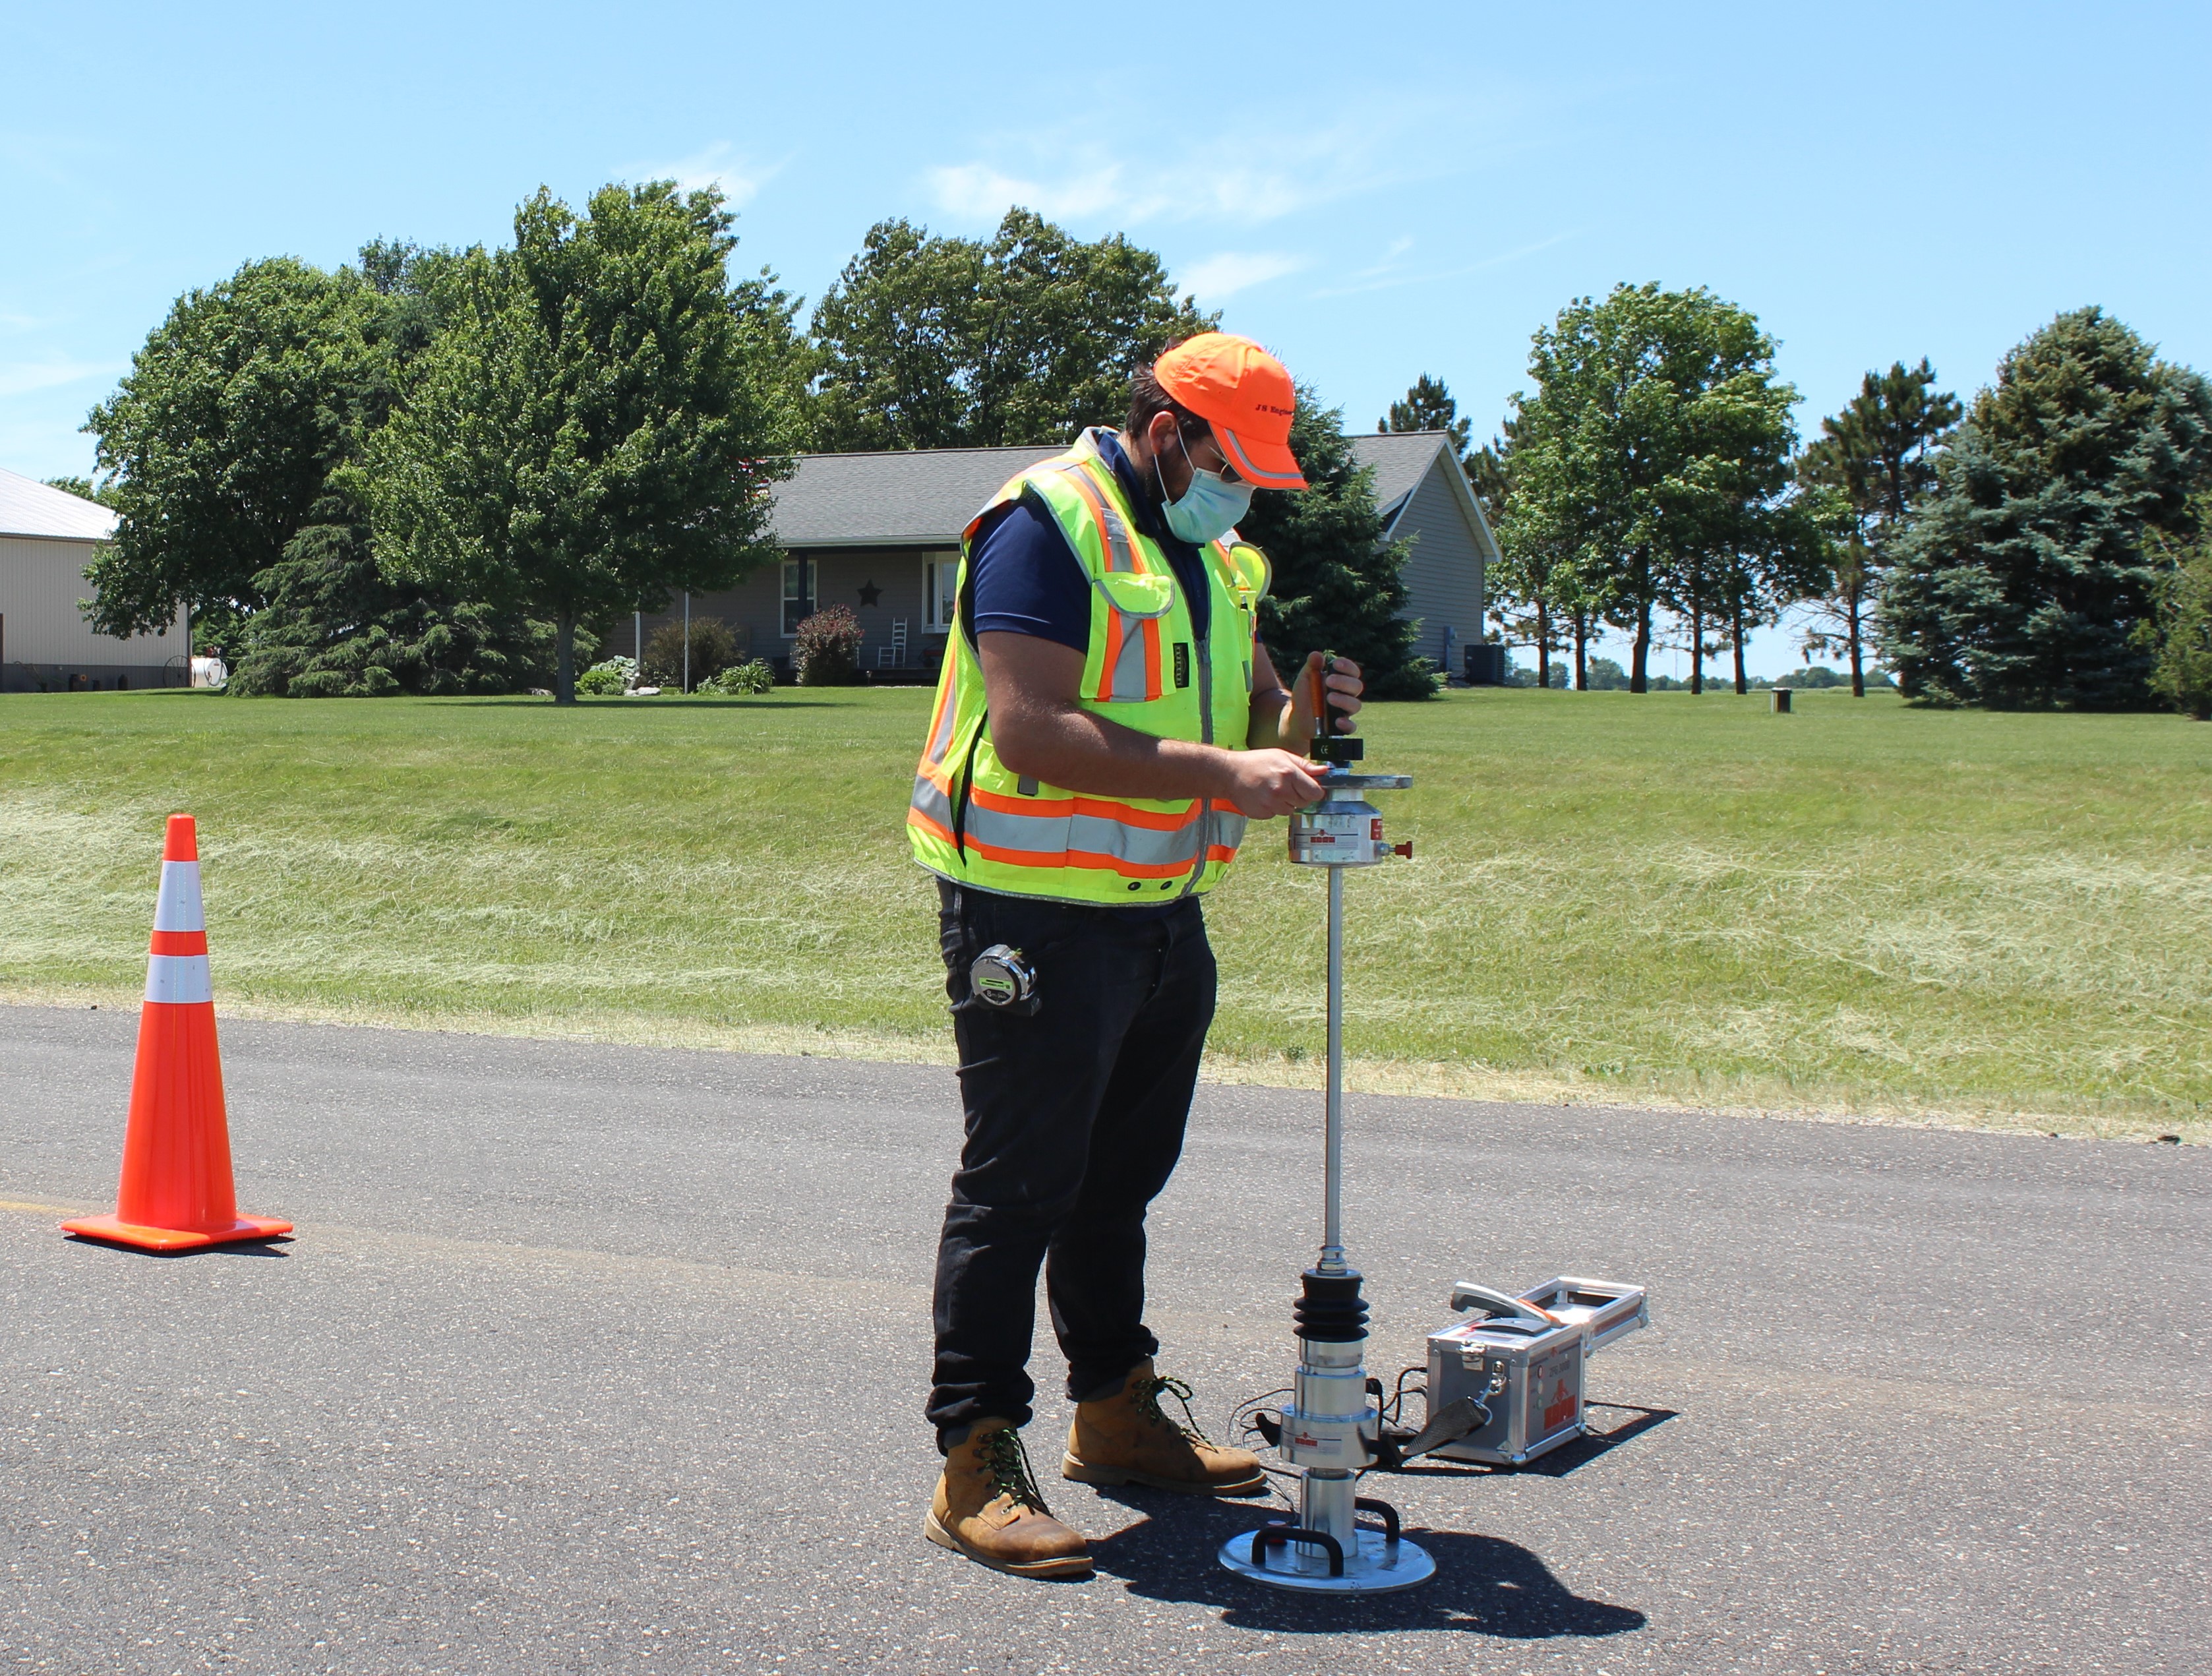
column 967, row 779
column 1204, row 646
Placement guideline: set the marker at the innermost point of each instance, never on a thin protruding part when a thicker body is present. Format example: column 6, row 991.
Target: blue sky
column 1375, row 193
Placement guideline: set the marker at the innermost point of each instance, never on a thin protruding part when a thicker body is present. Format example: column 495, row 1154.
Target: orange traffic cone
column 176, row 1192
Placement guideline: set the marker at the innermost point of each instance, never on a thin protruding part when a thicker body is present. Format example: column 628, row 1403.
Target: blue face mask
column 1209, row 508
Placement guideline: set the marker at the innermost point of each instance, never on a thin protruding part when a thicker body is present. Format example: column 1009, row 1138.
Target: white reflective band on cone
column 179, row 907
column 178, row 979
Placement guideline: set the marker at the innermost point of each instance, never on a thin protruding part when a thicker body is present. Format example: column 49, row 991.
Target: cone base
column 119, row 1232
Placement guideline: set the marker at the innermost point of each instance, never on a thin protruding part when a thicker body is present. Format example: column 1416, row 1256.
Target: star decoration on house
column 870, row 594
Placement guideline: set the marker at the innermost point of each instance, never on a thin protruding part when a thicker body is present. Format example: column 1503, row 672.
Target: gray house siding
column 754, row 608
column 1444, row 568
column 884, row 519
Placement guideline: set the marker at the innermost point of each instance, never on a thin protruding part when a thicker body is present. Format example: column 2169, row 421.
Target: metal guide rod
column 1331, row 1429
column 1332, row 1244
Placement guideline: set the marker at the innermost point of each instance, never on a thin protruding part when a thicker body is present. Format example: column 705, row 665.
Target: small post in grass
column 1778, row 700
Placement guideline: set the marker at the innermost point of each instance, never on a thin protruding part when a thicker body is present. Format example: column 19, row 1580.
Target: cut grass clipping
column 1861, row 908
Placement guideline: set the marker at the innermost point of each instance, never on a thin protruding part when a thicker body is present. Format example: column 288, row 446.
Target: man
column 1106, row 723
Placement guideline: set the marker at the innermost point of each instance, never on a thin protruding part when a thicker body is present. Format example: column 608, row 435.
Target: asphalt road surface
column 594, row 1358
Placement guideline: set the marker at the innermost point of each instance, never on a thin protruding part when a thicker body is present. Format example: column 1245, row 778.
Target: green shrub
column 610, row 679
column 826, row 650
column 713, row 649
column 742, row 680
column 319, row 684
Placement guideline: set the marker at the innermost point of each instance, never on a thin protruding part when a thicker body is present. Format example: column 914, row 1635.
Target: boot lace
column 1008, row 1463
column 1148, row 1394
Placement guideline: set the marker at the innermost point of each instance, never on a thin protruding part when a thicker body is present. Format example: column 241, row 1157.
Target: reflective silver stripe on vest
column 941, row 741
column 1229, row 827
column 932, row 802
column 1051, row 837
column 1119, row 553
column 178, row 979
column 1129, row 667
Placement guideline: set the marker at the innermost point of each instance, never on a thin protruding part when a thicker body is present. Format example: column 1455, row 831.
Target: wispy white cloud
column 20, row 378
column 1234, row 270
column 1393, row 261
column 1249, row 175
column 1386, row 277
column 739, row 176
column 978, row 192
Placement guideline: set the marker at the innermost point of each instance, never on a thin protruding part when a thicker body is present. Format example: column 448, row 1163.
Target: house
column 47, row 537
column 881, row 533
column 1427, row 502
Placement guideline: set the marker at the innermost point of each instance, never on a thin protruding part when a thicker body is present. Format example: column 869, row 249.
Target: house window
column 798, row 593
column 939, row 583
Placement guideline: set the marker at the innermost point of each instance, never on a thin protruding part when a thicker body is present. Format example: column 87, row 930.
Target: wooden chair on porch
column 894, row 655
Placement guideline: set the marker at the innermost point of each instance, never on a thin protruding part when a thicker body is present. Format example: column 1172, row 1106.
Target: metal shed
column 47, row 537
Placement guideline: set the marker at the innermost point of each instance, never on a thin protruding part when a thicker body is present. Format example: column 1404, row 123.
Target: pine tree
column 1429, row 407
column 1336, row 585
column 2027, row 577
column 336, row 626
column 1872, row 465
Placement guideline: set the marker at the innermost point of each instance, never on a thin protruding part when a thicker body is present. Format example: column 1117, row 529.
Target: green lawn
column 1860, row 907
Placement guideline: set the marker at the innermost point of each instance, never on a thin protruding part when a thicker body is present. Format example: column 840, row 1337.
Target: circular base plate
column 1382, row 1566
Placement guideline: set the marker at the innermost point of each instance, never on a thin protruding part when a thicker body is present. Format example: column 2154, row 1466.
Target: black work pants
column 1075, row 1119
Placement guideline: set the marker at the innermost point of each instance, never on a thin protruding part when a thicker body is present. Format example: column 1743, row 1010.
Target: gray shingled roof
column 923, row 497
column 1401, row 458
column 28, row 507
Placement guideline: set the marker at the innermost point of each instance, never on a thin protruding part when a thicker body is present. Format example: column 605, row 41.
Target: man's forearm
column 1084, row 752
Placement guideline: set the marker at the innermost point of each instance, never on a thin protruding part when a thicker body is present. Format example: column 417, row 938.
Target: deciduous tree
column 595, row 426
column 2181, row 668
column 928, row 341
column 1657, row 426
column 223, row 435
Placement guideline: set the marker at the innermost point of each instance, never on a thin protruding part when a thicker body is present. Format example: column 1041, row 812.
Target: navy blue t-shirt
column 1024, row 579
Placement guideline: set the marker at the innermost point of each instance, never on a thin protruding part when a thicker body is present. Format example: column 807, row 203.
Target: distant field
column 1858, row 908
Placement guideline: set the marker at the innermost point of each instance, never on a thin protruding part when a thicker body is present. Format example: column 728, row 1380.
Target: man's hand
column 1264, row 784
column 1345, row 686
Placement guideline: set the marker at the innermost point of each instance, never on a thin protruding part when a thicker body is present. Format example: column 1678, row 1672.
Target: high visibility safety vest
column 976, row 822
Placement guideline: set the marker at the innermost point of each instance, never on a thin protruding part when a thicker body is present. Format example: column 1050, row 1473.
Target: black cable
column 1398, row 1396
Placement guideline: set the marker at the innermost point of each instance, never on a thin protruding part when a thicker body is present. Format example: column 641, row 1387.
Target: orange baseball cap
column 1245, row 394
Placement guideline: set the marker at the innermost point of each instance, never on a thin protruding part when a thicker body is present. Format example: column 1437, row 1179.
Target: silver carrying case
column 1522, row 1358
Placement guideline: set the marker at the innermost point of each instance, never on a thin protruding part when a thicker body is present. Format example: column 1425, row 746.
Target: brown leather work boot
column 988, row 1507
column 1124, row 1438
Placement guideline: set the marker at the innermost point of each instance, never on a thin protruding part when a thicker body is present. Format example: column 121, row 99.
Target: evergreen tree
column 1336, row 585
column 2027, row 577
column 334, row 625
column 1429, row 407
column 1872, row 463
